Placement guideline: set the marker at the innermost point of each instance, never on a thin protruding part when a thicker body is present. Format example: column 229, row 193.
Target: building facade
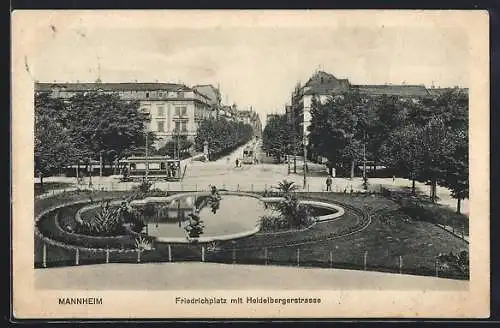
column 212, row 93
column 251, row 118
column 174, row 109
column 324, row 86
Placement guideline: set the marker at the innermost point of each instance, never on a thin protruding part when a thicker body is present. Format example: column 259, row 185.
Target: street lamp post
column 294, row 143
column 100, row 164
column 178, row 145
column 90, row 171
column 305, row 160
column 147, row 156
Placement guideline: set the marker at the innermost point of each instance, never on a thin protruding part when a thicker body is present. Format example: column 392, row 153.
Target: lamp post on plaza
column 294, row 137
column 305, row 160
column 364, row 156
column 100, row 164
column 147, row 156
column 147, row 119
column 90, row 170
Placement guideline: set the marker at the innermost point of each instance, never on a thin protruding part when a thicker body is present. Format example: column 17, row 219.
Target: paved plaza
column 195, row 275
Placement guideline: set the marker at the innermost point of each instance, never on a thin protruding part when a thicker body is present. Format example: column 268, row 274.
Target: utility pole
column 305, row 160
column 294, row 131
column 147, row 156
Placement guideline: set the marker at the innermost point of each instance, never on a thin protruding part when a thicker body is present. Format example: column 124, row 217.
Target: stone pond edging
column 339, row 212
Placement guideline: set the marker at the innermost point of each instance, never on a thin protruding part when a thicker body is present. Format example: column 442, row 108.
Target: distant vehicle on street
column 159, row 167
column 248, row 155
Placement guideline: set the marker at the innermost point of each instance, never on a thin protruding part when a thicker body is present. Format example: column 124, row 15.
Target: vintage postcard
column 250, row 164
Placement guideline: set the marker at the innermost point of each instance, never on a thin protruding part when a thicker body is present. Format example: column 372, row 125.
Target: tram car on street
column 248, row 155
column 154, row 167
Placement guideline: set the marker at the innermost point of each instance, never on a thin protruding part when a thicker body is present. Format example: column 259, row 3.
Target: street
column 224, row 174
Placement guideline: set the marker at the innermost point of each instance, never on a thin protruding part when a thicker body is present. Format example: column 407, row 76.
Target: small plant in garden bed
column 143, row 244
column 292, row 214
column 449, row 262
column 213, row 247
column 195, row 227
column 107, row 222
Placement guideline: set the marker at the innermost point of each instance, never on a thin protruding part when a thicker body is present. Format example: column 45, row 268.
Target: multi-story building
column 229, row 112
column 213, row 95
column 174, row 109
column 251, row 118
column 324, row 86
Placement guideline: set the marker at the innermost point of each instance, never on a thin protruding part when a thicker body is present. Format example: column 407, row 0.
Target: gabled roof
column 208, row 91
column 441, row 91
column 393, row 90
column 325, row 84
column 76, row 87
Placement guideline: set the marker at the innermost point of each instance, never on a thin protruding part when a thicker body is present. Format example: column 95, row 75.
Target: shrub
column 195, row 227
column 273, row 223
column 107, row 222
column 132, row 216
column 458, row 262
column 434, row 214
column 157, row 193
column 296, row 215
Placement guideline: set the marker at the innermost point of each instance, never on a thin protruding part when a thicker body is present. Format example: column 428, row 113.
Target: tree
column 403, row 151
column 53, row 142
column 325, row 138
column 456, row 167
column 222, row 135
column 337, row 129
column 178, row 143
column 104, row 123
column 275, row 137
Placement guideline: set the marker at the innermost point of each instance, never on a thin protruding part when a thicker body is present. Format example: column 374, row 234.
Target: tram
column 248, row 155
column 155, row 167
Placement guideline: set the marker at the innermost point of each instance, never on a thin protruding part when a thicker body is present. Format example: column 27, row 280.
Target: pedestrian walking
column 329, row 183
column 393, row 178
column 237, row 162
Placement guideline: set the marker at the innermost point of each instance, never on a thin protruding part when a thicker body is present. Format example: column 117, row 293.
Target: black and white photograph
column 251, row 161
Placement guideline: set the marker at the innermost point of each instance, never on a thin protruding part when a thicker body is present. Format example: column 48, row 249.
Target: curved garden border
column 364, row 217
column 53, row 242
column 365, row 220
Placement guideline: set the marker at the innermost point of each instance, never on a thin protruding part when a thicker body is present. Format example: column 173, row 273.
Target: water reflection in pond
column 235, row 214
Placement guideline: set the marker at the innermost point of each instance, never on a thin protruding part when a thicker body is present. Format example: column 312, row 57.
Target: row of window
column 160, row 94
column 179, row 111
column 179, row 126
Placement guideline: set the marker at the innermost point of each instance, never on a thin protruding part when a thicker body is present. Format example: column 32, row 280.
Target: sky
column 254, row 66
